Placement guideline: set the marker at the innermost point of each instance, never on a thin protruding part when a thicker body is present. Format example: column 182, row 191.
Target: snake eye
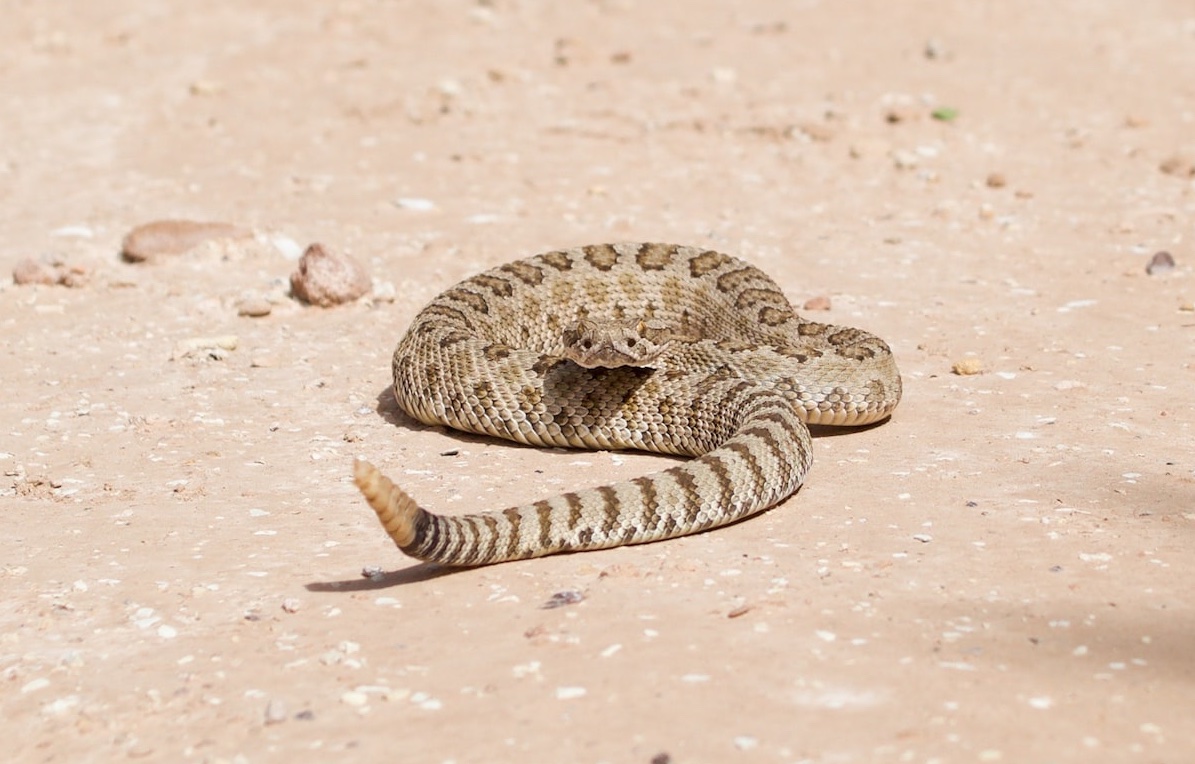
column 587, row 344
column 631, row 342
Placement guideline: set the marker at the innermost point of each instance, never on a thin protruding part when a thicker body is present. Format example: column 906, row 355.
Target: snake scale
column 655, row 347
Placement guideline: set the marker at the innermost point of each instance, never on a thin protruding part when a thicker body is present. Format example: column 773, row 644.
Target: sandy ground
column 1002, row 572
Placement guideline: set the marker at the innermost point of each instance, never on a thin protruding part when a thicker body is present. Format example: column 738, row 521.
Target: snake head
column 611, row 344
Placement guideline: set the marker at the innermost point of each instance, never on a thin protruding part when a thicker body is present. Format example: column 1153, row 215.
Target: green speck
column 944, row 114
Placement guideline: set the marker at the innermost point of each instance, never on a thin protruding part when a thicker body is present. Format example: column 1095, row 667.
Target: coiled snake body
column 655, row 347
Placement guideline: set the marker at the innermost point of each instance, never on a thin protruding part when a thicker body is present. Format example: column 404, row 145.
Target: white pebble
column 167, row 632
column 695, row 678
column 723, row 75
column 924, row 538
column 570, row 693
column 415, row 203
column 354, row 698
column 35, row 685
column 611, row 650
column 526, row 669
column 275, row 712
column 1068, row 307
column 286, row 246
column 826, row 636
column 745, row 742
column 73, row 232
column 60, row 706
column 1042, row 702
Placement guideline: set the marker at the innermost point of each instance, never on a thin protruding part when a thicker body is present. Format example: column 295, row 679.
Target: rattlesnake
column 655, row 347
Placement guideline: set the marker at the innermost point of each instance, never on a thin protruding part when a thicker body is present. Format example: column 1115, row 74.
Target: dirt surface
column 1002, row 572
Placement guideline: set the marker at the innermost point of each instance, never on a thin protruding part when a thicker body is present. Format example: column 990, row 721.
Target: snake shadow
column 415, row 574
column 387, row 408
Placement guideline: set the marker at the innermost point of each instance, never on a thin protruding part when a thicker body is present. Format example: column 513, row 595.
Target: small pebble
column 354, row 698
column 894, row 115
column 415, row 203
column 255, row 307
column 996, row 180
column 151, row 242
column 74, row 232
column 745, row 742
column 34, row 685
column 51, row 271
column 924, row 538
column 816, row 131
column 934, row 49
column 61, row 705
column 1178, row 165
column 291, row 605
column 205, row 88
column 325, row 278
column 34, row 271
column 372, row 572
column 570, row 693
column 904, row 160
column 213, row 347
column 724, row 75
column 560, row 599
column 285, row 246
column 821, row 302
column 1161, row 262
column 275, row 712
column 967, row 367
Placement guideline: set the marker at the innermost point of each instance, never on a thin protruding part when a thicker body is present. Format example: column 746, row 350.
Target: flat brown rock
column 165, row 238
